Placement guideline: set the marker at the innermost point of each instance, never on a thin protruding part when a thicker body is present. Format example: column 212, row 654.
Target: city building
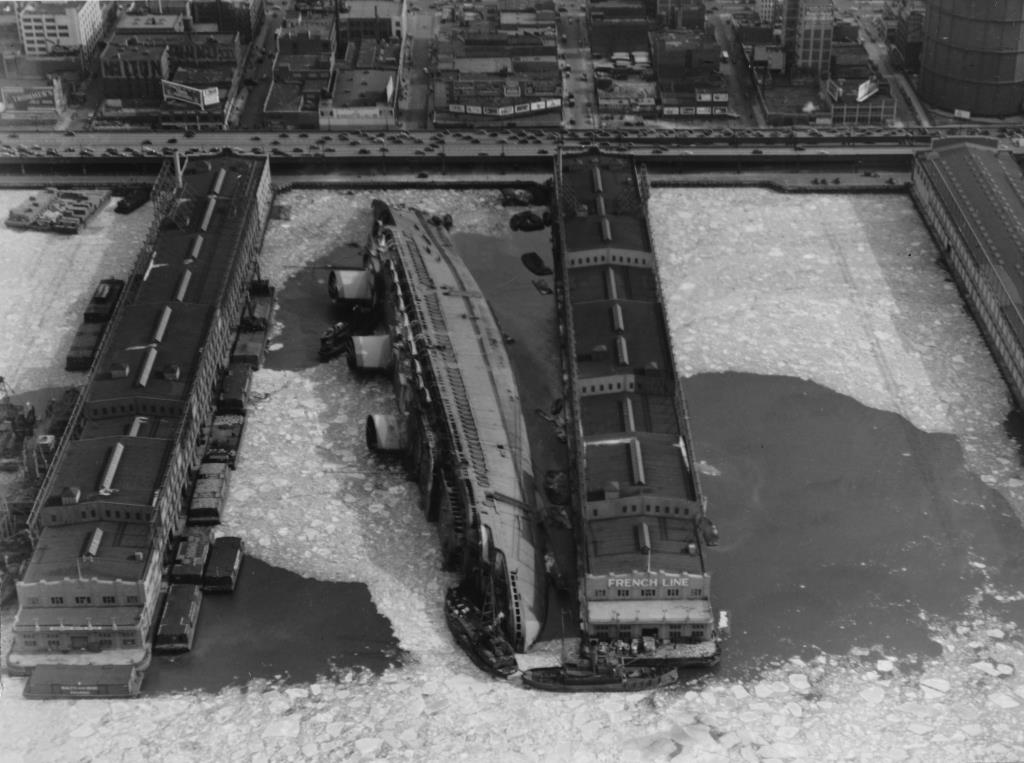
column 812, row 41
column 36, row 101
column 854, row 91
column 311, row 34
column 134, row 72
column 686, row 65
column 371, row 19
column 970, row 193
column 242, row 16
column 905, row 52
column 60, row 28
column 762, row 48
column 497, row 79
column 681, row 14
column 972, row 58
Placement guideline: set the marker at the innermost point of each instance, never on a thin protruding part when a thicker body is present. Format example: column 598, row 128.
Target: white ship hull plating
column 459, row 424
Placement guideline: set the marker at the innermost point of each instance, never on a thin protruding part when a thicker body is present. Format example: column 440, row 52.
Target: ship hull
column 459, row 425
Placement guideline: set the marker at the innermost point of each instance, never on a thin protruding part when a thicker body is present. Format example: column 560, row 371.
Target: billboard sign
column 866, row 89
column 27, row 98
column 174, row 91
column 211, row 96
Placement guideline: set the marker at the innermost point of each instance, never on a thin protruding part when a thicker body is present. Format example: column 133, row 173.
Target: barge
column 459, row 423
column 641, row 519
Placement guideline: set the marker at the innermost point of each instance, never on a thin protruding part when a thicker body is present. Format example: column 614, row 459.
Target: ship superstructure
column 642, row 523
column 459, row 422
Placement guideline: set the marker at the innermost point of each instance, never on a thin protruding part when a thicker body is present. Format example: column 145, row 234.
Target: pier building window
column 698, row 592
column 110, row 600
column 33, row 600
column 625, row 634
column 672, row 592
column 602, row 632
column 28, row 642
column 83, row 600
column 106, row 643
column 131, row 599
column 623, row 593
column 648, row 593
column 675, row 633
column 53, row 643
column 600, row 593
column 57, row 600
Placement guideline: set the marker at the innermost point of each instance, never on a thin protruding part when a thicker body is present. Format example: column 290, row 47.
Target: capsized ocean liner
column 459, row 425
column 642, row 526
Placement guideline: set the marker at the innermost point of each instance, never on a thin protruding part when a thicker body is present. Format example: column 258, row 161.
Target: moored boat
column 590, row 676
column 480, row 638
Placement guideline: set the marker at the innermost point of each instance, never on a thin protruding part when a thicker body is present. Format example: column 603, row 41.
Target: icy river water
column 851, row 430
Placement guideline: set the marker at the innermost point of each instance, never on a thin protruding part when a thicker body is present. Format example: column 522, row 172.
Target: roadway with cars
column 515, row 149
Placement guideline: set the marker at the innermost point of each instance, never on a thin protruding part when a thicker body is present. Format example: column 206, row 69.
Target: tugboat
column 481, row 639
column 599, row 672
column 132, row 200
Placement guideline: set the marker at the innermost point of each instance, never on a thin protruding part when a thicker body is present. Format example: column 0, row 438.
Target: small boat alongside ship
column 476, row 633
column 597, row 675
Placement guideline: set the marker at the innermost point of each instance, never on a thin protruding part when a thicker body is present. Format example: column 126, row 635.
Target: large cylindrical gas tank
column 972, row 58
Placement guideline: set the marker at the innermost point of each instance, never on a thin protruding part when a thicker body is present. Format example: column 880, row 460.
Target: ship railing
column 577, row 465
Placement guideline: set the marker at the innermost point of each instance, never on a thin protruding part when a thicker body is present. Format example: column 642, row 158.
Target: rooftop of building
column 173, row 39
column 136, row 479
column 614, row 544
column 121, row 553
column 52, row 9
column 758, row 33
column 312, row 26
column 150, row 52
column 370, row 9
column 153, row 22
column 183, row 281
column 361, row 87
column 376, row 54
column 982, row 187
column 205, row 77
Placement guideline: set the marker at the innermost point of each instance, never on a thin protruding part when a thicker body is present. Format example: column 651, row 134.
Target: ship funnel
column 371, row 353
column 351, row 287
column 387, row 434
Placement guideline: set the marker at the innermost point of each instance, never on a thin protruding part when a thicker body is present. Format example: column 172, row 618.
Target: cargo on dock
column 58, row 211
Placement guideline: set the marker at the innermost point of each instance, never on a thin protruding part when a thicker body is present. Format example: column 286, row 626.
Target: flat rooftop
column 121, row 554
